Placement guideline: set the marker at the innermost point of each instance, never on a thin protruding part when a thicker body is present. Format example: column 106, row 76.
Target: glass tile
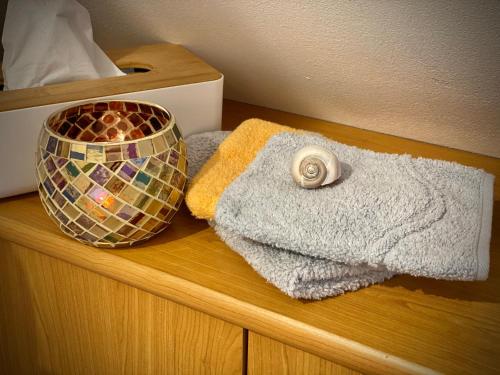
column 139, row 162
column 136, row 134
column 115, row 185
column 142, row 201
column 112, row 204
column 85, row 204
column 146, row 148
column 84, row 166
column 131, row 107
column 127, row 172
column 97, row 213
column 62, row 217
column 100, row 107
column 51, row 145
column 126, row 212
column 163, row 213
column 170, row 138
column 63, row 149
column 73, row 132
column 164, row 193
column 82, row 183
column 153, row 167
column 129, row 151
column 59, row 180
column 113, row 153
column 71, row 211
column 98, row 127
column 170, row 216
column 49, row 187
column 138, row 234
column 145, row 108
column 77, row 152
column 113, row 238
column 173, row 198
column 50, row 166
column 100, row 175
column 150, row 224
column 182, row 164
column 129, row 194
column 85, row 120
column 177, row 180
column 113, row 166
column 159, row 227
column 154, row 187
column 159, row 144
column 142, row 180
column 98, row 231
column 155, row 123
column 71, row 194
column 173, row 158
column 85, row 222
column 97, row 194
column 116, row 106
column 112, row 223
column 95, row 153
column 136, row 218
column 163, row 156
column 88, row 237
column 154, row 207
column 60, row 161
column 72, row 170
column 135, row 119
column 125, row 230
column 176, row 132
column 146, row 129
column 75, row 228
column 166, row 173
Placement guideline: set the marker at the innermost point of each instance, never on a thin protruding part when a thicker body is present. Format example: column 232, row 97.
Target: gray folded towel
column 297, row 275
column 388, row 214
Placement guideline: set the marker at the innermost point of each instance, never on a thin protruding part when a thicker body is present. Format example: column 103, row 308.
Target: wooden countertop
column 406, row 324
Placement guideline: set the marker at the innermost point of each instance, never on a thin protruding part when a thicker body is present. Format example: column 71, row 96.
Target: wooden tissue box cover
column 176, row 79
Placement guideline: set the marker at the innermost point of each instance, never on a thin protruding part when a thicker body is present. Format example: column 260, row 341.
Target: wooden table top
column 406, row 324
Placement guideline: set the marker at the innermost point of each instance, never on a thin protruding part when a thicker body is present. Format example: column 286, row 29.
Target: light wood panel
column 56, row 318
column 169, row 64
column 268, row 356
column 404, row 325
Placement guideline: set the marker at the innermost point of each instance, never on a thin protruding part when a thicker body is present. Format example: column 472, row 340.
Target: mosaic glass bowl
column 111, row 173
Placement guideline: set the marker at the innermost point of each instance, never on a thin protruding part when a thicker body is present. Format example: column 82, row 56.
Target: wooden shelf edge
column 265, row 322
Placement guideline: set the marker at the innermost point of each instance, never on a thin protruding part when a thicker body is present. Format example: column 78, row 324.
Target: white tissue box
column 172, row 77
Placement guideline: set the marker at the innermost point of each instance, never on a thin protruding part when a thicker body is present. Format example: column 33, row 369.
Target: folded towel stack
column 387, row 214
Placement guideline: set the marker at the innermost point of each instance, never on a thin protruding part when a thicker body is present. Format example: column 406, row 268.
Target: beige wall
column 428, row 70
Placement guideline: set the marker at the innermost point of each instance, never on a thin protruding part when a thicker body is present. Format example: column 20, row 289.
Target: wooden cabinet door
column 268, row 356
column 56, row 318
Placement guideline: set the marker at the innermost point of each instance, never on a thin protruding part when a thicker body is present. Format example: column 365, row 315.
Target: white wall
column 428, row 70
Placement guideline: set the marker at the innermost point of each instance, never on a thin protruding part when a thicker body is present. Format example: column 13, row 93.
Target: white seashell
column 315, row 166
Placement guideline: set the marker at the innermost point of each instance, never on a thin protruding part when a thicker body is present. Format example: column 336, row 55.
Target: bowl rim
column 169, row 126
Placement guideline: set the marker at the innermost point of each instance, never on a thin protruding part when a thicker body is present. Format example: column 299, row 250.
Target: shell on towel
column 314, row 166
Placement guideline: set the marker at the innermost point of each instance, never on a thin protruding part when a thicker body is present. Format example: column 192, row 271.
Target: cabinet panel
column 268, row 356
column 56, row 318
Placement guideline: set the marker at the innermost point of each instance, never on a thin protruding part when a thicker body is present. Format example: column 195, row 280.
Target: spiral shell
column 314, row 166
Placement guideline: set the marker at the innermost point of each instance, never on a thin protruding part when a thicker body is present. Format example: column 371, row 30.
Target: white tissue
column 49, row 42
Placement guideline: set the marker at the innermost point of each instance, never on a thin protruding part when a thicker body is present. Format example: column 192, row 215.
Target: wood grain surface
column 268, row 356
column 404, row 325
column 56, row 318
column 168, row 64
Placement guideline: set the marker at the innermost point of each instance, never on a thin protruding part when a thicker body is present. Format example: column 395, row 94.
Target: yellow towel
column 229, row 161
